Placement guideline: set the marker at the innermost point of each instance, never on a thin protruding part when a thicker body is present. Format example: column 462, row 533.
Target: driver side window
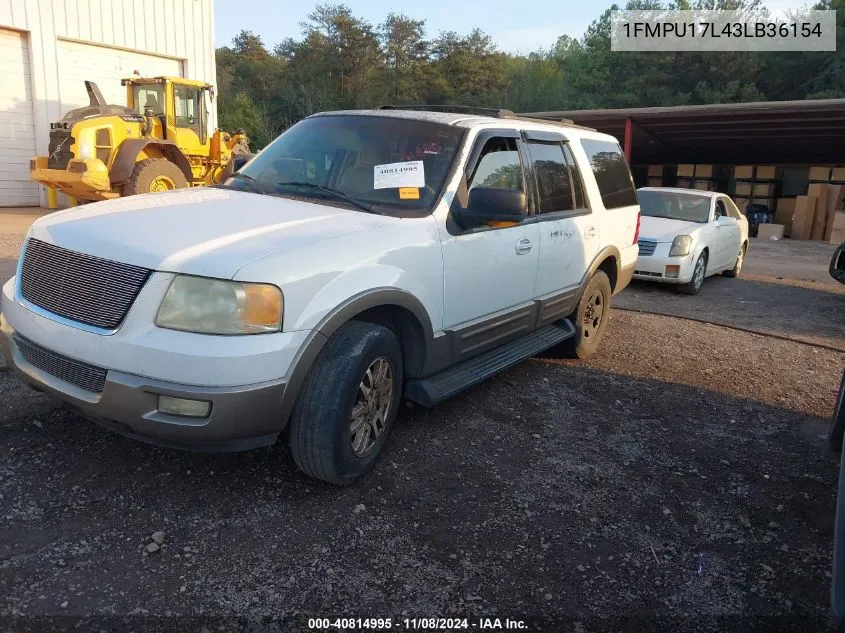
column 720, row 209
column 499, row 166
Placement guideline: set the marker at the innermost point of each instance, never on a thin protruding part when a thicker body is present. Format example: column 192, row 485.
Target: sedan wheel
column 699, row 272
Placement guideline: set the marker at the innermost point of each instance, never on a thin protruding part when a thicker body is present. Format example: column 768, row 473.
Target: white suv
column 362, row 256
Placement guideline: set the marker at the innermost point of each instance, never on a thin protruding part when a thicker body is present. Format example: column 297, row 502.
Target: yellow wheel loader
column 158, row 141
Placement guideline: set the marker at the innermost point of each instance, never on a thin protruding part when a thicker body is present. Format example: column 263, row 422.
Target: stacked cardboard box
column 802, row 220
column 655, row 175
column 820, row 174
column 837, row 234
column 755, row 184
column 784, row 211
column 817, row 215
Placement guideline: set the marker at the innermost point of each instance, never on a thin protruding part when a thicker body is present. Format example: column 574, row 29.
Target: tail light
column 637, row 232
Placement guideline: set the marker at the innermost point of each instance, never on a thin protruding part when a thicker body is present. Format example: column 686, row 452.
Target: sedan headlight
column 217, row 306
column 680, row 246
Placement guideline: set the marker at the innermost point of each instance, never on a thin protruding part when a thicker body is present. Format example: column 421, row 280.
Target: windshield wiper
column 249, row 180
column 339, row 195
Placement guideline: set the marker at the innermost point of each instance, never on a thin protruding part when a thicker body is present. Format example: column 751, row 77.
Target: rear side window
column 612, row 174
column 558, row 182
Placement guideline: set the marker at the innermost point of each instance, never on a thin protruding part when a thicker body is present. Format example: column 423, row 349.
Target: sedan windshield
column 689, row 207
column 383, row 164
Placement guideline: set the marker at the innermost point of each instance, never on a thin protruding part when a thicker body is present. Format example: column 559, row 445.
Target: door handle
column 590, row 232
column 523, row 246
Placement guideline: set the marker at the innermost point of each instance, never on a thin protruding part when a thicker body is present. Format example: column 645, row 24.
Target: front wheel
column 153, row 175
column 698, row 275
column 348, row 403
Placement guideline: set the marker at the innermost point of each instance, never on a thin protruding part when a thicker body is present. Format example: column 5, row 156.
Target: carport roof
column 811, row 131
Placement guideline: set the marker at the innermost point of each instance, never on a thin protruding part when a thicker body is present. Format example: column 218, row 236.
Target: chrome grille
column 647, row 247
column 79, row 287
column 75, row 372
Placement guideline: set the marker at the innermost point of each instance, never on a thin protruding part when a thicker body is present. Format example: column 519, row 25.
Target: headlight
column 217, row 306
column 680, row 246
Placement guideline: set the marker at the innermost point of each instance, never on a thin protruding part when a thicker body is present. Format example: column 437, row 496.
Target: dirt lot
column 678, row 481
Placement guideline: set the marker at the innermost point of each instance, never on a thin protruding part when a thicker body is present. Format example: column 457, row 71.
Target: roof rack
column 499, row 113
column 456, row 109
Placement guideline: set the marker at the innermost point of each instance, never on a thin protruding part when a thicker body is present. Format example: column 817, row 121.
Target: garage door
column 17, row 124
column 106, row 67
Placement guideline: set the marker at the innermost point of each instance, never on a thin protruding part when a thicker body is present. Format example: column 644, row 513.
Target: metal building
column 49, row 47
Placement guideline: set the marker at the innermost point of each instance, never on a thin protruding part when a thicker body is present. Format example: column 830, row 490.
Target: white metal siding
column 177, row 29
column 17, row 124
column 106, row 66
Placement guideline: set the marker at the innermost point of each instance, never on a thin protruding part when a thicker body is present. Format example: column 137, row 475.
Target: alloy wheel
column 372, row 406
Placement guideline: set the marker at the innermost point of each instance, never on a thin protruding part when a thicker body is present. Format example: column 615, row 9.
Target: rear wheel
column 590, row 320
column 740, row 260
column 348, row 403
column 154, row 174
column 836, row 429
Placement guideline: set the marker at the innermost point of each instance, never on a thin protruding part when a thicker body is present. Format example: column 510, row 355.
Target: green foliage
column 341, row 61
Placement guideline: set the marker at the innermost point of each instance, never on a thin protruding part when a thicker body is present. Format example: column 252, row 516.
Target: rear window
column 612, row 174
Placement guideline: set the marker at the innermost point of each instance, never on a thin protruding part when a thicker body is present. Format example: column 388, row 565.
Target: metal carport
column 774, row 132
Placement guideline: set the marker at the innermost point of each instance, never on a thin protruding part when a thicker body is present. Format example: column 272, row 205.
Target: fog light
column 672, row 272
column 183, row 407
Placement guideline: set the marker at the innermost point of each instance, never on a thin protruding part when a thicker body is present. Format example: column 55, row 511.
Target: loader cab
column 178, row 107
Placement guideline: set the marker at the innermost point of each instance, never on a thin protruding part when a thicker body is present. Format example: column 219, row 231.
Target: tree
column 342, row 61
column 405, row 49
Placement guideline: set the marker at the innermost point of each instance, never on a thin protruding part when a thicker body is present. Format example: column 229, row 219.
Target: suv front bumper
column 241, row 418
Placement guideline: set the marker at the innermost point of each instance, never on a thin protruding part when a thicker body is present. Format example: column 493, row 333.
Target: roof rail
column 499, row 113
column 456, row 109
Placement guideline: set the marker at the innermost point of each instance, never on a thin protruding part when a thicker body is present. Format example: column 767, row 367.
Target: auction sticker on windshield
column 396, row 175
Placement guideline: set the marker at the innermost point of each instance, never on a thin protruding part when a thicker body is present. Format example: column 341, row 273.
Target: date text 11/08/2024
column 416, row 624
column 713, row 30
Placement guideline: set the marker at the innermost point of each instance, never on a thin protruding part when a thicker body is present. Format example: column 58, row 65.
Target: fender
column 349, row 309
column 127, row 155
column 615, row 276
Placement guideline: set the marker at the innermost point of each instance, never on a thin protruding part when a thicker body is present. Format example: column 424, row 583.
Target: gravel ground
column 570, row 491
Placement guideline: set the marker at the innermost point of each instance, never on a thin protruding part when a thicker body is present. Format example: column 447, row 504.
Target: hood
column 664, row 229
column 204, row 231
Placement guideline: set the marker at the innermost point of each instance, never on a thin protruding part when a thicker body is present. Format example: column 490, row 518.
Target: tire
column 836, row 429
column 154, row 174
column 698, row 275
column 588, row 332
column 740, row 259
column 321, row 429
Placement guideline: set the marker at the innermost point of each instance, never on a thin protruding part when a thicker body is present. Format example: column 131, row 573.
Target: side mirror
column 493, row 204
column 724, row 220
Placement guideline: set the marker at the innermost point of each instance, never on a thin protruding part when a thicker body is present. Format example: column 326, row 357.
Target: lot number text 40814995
column 417, row 624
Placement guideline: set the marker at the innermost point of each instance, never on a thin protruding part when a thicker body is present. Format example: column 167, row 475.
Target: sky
column 516, row 27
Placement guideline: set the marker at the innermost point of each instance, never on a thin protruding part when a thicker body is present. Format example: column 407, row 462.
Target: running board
column 428, row 392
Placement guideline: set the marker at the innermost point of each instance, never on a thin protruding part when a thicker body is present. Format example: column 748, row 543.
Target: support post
column 629, row 137
column 52, row 198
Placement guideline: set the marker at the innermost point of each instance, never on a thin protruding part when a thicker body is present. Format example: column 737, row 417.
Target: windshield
column 389, row 163
column 149, row 95
column 689, row 207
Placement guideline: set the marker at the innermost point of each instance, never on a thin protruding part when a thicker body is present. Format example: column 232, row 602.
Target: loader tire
column 154, row 174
